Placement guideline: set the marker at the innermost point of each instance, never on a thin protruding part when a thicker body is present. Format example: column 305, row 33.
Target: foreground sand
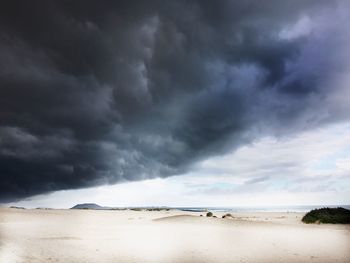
column 166, row 236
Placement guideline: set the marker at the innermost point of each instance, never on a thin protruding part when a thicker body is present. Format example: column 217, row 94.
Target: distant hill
column 17, row 207
column 88, row 206
column 93, row 206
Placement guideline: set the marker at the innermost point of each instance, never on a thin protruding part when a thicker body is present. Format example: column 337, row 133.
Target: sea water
column 236, row 209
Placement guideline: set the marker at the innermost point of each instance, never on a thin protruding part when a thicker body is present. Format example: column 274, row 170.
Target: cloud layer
column 311, row 167
column 95, row 93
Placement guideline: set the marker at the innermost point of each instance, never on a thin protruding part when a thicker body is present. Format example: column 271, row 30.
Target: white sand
column 166, row 236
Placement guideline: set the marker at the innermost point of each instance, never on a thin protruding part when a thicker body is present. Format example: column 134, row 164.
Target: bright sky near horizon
column 312, row 167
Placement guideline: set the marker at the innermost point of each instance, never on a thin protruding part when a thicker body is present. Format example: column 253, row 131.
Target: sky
column 178, row 103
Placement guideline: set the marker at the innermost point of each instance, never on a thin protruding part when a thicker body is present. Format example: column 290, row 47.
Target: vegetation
column 227, row 215
column 209, row 214
column 328, row 216
column 158, row 209
column 136, row 209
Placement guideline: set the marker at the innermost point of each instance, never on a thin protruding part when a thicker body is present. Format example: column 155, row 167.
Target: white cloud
column 301, row 28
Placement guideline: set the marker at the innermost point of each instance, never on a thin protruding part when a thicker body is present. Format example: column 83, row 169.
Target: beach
column 41, row 235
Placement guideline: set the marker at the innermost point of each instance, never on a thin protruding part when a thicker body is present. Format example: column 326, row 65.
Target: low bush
column 209, row 214
column 328, row 216
column 227, row 215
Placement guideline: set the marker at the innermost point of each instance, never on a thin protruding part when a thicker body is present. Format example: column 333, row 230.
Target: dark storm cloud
column 98, row 92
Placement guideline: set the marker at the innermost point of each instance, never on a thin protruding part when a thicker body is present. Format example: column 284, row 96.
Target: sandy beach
column 166, row 236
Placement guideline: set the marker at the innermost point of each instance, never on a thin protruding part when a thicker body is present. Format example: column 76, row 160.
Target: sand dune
column 166, row 236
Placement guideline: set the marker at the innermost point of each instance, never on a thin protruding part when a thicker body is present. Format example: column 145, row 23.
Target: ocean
column 233, row 209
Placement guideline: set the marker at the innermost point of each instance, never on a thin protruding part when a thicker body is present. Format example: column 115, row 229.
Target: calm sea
column 303, row 208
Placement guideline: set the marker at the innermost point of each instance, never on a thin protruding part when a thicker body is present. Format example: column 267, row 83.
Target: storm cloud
column 96, row 93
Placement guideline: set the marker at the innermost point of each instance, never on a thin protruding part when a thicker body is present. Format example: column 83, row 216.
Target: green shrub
column 136, row 209
column 328, row 216
column 227, row 215
column 209, row 214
